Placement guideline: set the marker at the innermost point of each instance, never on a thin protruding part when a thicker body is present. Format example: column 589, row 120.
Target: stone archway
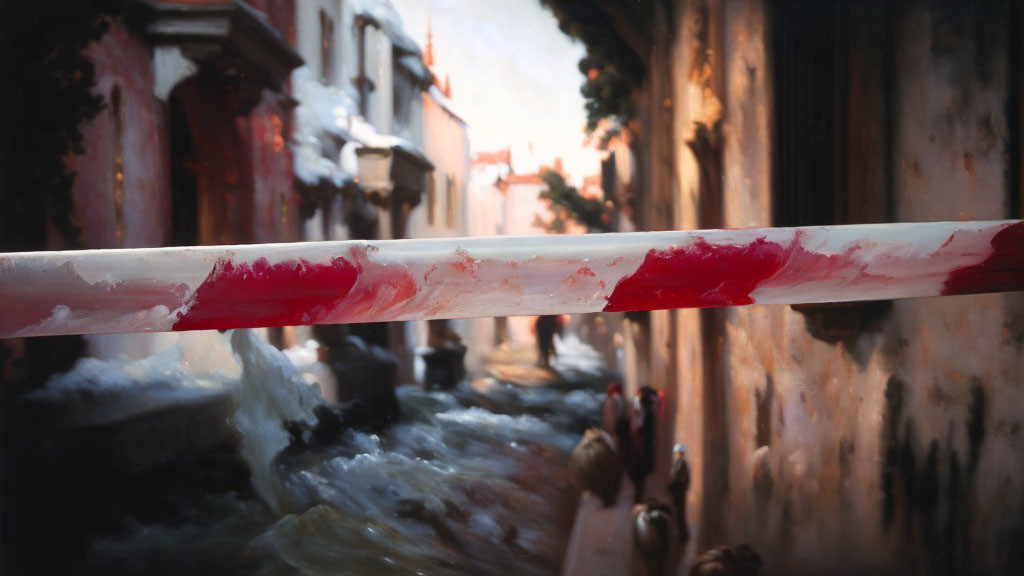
column 211, row 166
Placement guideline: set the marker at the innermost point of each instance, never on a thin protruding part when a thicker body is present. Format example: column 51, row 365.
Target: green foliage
column 612, row 68
column 566, row 203
column 48, row 95
column 607, row 93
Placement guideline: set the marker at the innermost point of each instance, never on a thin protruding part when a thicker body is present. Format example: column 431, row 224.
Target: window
column 403, row 92
column 431, row 198
column 117, row 166
column 326, row 48
column 450, row 219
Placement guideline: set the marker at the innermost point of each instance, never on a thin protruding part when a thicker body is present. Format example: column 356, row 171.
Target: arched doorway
column 211, row 166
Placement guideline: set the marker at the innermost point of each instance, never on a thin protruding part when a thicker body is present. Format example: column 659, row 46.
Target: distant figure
column 678, row 486
column 603, row 340
column 643, row 422
column 727, row 561
column 596, row 467
column 763, row 485
column 615, row 419
column 545, row 329
column 652, row 539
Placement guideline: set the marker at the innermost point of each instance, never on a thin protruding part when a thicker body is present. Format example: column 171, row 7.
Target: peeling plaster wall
column 897, row 450
column 695, row 99
column 275, row 203
column 747, row 177
column 141, row 216
column 960, row 358
column 951, row 113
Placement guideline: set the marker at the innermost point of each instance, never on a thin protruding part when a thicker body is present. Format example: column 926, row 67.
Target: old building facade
column 879, row 437
column 229, row 122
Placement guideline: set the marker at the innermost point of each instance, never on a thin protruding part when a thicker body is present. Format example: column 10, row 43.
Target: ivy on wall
column 48, row 95
column 616, row 34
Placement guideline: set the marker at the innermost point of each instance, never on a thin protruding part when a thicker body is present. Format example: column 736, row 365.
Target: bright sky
column 513, row 76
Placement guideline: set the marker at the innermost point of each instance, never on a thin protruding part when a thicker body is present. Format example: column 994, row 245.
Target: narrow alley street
column 344, row 287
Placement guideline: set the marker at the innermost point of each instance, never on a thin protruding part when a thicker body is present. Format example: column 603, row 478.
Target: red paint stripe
column 1002, row 271
column 704, row 275
column 696, row 276
column 250, row 295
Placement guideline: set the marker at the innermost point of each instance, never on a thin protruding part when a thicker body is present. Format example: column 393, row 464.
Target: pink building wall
column 136, row 132
column 275, row 203
column 123, row 195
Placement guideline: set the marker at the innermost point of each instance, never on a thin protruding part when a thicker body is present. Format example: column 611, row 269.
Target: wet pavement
column 470, row 480
column 600, row 540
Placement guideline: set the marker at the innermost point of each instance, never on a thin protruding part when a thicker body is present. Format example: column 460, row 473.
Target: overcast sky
column 513, row 75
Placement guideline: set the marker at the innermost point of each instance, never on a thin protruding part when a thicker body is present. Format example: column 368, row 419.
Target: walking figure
column 545, row 329
column 643, row 423
column 678, row 486
column 652, row 539
column 596, row 467
column 615, row 420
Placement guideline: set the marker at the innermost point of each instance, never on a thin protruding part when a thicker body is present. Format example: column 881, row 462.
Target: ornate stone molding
column 230, row 36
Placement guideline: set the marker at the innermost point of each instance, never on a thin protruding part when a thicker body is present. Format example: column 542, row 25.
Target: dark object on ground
column 596, row 467
column 368, row 374
column 93, row 460
column 651, row 539
column 331, row 422
column 738, row 560
column 445, row 367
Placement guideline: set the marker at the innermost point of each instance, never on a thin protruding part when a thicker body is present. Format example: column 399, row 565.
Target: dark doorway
column 184, row 190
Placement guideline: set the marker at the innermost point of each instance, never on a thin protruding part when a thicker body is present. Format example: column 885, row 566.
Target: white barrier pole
column 164, row 289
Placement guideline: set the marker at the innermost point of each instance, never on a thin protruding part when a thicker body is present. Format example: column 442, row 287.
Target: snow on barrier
column 193, row 288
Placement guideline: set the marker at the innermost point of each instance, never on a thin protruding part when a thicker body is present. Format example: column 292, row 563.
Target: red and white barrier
column 164, row 289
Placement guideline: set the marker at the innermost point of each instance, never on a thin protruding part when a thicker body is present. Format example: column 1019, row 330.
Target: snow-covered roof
column 383, row 14
column 444, row 102
column 312, row 168
column 330, row 110
column 413, row 63
column 321, row 109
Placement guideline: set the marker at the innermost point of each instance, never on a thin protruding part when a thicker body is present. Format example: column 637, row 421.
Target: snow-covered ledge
column 170, row 69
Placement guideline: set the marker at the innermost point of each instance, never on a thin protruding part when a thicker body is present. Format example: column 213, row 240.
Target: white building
column 360, row 164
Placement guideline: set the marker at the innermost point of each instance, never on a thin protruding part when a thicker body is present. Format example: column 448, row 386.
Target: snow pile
column 572, row 354
column 97, row 392
column 333, row 111
column 322, row 109
column 270, row 393
column 162, row 373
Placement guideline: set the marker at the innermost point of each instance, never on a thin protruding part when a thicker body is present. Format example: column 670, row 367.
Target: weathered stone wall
column 893, row 446
column 122, row 190
column 275, row 202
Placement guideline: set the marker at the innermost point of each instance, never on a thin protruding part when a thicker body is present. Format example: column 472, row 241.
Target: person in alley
column 595, row 466
column 678, row 486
